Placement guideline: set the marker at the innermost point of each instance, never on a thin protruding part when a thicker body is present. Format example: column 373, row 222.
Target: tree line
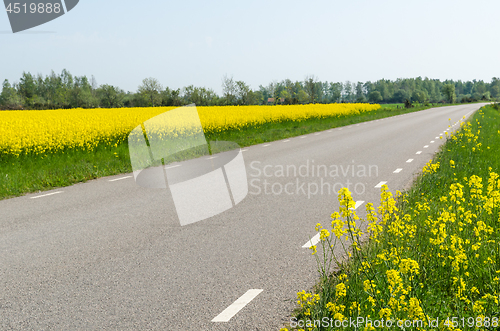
column 64, row 90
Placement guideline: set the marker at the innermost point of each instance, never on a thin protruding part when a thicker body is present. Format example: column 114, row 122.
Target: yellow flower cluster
column 306, row 300
column 49, row 131
column 430, row 168
column 425, row 257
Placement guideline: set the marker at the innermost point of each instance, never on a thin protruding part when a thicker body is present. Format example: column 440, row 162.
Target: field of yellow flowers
column 52, row 131
column 432, row 261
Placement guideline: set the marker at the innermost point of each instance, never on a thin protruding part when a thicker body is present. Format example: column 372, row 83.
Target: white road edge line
column 285, row 141
column 314, row 240
column 379, row 185
column 46, row 195
column 174, row 166
column 409, row 161
column 117, row 179
column 244, row 150
column 238, row 305
column 398, row 170
column 212, row 157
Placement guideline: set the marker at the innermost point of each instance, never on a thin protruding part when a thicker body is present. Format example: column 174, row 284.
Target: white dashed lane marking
column 238, row 305
column 46, row 195
column 379, row 185
column 419, row 152
column 409, row 161
column 426, row 146
column 398, row 170
column 117, row 179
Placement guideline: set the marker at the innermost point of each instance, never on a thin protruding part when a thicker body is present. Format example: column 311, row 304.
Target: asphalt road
column 110, row 255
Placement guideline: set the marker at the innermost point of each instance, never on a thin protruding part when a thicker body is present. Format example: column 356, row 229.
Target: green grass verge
column 432, row 261
column 26, row 174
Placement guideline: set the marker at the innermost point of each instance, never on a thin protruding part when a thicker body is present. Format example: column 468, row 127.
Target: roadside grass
column 432, row 261
column 21, row 175
column 25, row 174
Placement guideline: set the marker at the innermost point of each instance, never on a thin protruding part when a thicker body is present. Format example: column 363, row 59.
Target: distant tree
column 110, row 96
column 9, row 98
column 368, row 87
column 495, row 87
column 383, row 87
column 348, row 91
column 400, row 96
column 436, row 93
column 495, row 91
column 150, row 89
column 272, row 89
column 67, row 79
column 302, row 97
column 81, row 95
column 27, row 89
column 479, row 87
column 229, row 89
column 256, row 98
column 286, row 96
column 93, row 85
column 335, row 92
column 449, row 91
column 375, row 97
column 468, row 87
column 360, row 95
column 420, row 96
column 171, row 97
column 200, row 96
column 243, row 93
column 477, row 96
column 486, row 96
column 311, row 88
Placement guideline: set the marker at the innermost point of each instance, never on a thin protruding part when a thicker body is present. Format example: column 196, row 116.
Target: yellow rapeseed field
column 49, row 131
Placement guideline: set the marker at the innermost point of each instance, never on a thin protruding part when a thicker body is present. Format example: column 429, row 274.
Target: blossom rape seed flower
column 341, row 290
column 53, row 131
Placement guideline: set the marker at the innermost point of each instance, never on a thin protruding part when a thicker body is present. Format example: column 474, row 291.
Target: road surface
column 108, row 254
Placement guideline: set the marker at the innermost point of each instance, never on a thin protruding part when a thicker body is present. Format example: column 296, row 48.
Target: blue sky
column 197, row 42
